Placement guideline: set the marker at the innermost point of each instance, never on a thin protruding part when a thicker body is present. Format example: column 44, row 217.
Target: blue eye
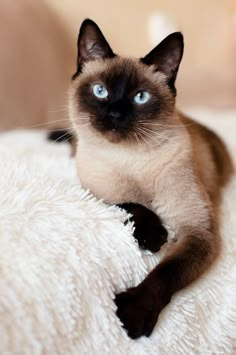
column 100, row 91
column 141, row 97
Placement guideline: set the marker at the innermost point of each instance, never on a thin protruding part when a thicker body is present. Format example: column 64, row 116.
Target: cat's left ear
column 166, row 56
column 91, row 45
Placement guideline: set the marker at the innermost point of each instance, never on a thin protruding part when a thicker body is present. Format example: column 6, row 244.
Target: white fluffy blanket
column 63, row 255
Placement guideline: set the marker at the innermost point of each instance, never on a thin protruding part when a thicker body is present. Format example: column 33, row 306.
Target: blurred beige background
column 38, row 50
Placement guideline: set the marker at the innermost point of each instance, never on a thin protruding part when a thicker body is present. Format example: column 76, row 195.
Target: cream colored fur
column 116, row 173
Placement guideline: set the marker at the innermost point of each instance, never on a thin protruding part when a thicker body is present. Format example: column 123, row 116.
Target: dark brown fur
column 119, row 81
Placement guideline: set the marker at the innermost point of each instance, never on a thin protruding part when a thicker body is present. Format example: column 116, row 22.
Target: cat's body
column 150, row 154
column 119, row 173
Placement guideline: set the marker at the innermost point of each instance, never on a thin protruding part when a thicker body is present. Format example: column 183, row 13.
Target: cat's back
column 211, row 158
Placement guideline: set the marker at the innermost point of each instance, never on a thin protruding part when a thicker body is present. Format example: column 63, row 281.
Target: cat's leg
column 139, row 307
column 149, row 231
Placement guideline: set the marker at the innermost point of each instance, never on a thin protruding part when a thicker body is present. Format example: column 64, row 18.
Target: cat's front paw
column 149, row 230
column 138, row 311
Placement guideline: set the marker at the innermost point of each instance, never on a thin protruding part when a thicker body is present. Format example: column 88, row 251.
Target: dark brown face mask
column 121, row 96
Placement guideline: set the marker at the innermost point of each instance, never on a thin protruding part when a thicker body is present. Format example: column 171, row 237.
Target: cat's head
column 124, row 99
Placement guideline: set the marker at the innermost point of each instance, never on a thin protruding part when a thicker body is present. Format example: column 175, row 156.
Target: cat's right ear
column 91, row 45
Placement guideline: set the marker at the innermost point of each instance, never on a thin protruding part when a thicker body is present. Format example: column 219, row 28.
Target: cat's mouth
column 113, row 136
column 113, row 133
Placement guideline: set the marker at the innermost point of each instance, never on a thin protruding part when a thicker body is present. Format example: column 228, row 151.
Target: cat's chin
column 113, row 136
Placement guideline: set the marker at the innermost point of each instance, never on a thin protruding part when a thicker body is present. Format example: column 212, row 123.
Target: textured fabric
column 64, row 255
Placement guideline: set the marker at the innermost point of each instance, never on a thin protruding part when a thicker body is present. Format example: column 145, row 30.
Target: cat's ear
column 91, row 45
column 166, row 56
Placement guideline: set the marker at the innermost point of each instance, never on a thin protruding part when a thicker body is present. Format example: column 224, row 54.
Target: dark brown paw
column 149, row 231
column 137, row 310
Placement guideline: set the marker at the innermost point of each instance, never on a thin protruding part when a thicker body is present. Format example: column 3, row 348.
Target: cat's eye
column 141, row 97
column 100, row 91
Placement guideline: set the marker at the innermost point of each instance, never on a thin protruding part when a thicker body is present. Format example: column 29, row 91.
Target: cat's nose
column 114, row 115
column 115, row 118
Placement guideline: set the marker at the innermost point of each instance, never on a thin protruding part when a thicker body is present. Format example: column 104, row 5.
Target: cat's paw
column 150, row 235
column 149, row 230
column 138, row 311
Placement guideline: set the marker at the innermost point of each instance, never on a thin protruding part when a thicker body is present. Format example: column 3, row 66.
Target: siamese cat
column 137, row 150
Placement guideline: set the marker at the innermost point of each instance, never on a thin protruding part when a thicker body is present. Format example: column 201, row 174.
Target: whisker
column 165, row 125
column 83, row 119
column 148, row 129
column 138, row 140
column 83, row 124
column 141, row 134
column 65, row 109
column 62, row 129
column 67, row 140
column 64, row 135
column 149, row 133
column 142, row 137
column 153, row 132
column 47, row 123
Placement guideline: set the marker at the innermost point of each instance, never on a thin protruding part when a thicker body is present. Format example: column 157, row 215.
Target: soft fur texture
column 64, row 255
